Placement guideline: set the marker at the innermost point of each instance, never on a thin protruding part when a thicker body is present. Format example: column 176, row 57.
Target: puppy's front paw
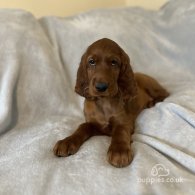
column 66, row 147
column 120, row 155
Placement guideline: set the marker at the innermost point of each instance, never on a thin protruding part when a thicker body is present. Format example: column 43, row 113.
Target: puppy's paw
column 66, row 147
column 120, row 155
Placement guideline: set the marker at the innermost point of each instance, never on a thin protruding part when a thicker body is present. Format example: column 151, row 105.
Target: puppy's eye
column 114, row 62
column 92, row 62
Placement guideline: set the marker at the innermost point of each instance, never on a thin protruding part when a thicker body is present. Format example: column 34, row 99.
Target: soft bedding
column 38, row 106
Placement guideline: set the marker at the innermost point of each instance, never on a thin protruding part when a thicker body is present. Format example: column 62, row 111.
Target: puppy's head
column 105, row 70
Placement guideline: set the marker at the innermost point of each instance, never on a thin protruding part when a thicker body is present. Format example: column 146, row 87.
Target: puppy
column 114, row 97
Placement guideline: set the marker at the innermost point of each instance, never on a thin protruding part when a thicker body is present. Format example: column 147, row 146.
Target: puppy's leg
column 156, row 91
column 119, row 152
column 71, row 144
column 152, row 88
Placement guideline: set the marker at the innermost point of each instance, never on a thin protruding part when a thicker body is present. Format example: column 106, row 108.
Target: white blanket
column 38, row 106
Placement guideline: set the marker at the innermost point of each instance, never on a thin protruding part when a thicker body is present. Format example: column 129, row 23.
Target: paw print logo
column 159, row 170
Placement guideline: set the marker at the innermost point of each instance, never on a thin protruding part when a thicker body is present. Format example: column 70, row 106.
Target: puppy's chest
column 106, row 109
column 101, row 111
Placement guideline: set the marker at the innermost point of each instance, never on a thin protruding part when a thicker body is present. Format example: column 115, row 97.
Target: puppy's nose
column 101, row 87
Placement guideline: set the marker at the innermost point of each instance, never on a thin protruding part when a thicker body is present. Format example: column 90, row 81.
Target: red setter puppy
column 114, row 96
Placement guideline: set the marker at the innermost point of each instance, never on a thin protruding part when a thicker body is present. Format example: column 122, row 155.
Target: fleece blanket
column 38, row 63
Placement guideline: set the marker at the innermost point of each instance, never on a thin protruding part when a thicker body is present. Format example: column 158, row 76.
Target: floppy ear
column 82, row 82
column 126, row 81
